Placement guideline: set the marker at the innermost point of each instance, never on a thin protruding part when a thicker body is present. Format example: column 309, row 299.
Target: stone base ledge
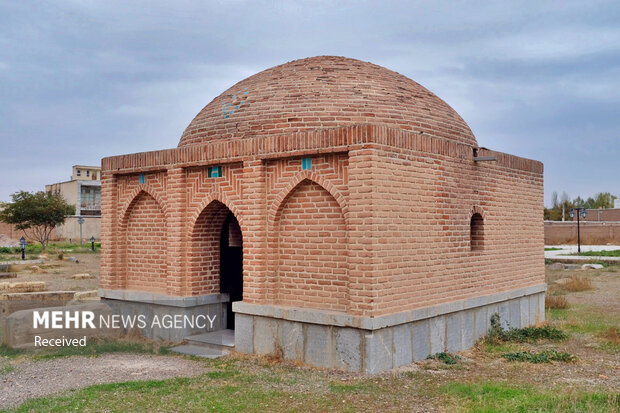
column 371, row 351
column 162, row 299
column 330, row 318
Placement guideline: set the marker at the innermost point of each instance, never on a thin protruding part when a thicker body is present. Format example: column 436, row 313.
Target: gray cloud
column 80, row 80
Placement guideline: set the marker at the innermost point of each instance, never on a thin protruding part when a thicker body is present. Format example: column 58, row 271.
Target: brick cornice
column 304, row 143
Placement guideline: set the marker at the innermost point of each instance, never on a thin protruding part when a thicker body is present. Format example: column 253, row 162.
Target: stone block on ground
column 82, row 276
column 592, row 266
column 35, row 269
column 86, row 295
column 22, row 287
column 557, row 266
column 12, row 302
column 19, row 332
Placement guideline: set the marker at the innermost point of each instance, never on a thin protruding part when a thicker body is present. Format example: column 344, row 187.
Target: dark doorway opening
column 231, row 265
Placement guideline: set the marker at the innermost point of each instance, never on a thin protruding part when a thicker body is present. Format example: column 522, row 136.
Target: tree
column 36, row 214
column 561, row 206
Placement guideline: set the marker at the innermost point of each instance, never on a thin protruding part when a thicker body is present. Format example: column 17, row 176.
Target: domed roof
column 324, row 92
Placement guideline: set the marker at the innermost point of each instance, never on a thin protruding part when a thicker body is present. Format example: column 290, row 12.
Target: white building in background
column 83, row 191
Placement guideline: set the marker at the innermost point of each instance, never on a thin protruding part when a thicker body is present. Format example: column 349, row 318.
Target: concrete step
column 225, row 338
column 222, row 340
column 197, row 351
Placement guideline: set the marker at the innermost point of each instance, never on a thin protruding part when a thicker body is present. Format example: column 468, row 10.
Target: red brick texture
column 145, row 258
column 10, row 231
column 204, row 270
column 312, row 250
column 324, row 92
column 380, row 223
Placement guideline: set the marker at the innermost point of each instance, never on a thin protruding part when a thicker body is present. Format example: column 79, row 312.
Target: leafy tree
column 36, row 214
column 561, row 206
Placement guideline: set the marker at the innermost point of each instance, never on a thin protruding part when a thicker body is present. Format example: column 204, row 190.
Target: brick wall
column 612, row 214
column 145, row 257
column 312, row 250
column 395, row 209
column 592, row 233
column 423, row 205
column 204, row 271
column 10, row 232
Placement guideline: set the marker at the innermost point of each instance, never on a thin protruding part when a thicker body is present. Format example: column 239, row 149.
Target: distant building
column 84, row 191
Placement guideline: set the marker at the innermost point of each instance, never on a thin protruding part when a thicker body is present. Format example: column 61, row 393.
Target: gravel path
column 42, row 378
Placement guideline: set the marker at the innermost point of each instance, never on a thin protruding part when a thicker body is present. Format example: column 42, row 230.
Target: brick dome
column 324, row 92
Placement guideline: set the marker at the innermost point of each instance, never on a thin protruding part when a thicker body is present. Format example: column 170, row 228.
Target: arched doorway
column 217, row 256
column 231, row 265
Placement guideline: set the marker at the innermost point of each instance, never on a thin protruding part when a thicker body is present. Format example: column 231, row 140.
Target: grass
column 244, row 386
column 603, row 328
column 499, row 397
column 6, row 351
column 545, row 356
column 612, row 334
column 92, row 349
column 6, row 369
column 606, row 253
column 17, row 257
column 202, row 394
column 53, row 248
column 556, row 301
column 577, row 283
column 552, row 249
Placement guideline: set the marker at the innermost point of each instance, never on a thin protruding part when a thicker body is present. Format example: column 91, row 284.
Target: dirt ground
column 40, row 378
column 57, row 273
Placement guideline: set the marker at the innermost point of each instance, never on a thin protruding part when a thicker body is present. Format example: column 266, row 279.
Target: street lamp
column 22, row 243
column 581, row 213
column 80, row 221
column 92, row 243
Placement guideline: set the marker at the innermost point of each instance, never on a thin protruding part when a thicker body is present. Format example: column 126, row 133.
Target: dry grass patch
column 556, row 301
column 578, row 283
column 613, row 335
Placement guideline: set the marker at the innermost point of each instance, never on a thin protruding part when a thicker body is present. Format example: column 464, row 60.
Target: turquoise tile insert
column 215, row 172
column 237, row 100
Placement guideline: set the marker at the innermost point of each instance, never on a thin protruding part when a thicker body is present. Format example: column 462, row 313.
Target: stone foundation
column 372, row 345
column 134, row 303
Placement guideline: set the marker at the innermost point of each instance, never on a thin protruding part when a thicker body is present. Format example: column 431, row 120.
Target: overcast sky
column 80, row 80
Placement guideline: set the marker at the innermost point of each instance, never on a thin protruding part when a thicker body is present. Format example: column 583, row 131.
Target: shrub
column 545, row 356
column 496, row 332
column 445, row 357
column 577, row 283
column 556, row 301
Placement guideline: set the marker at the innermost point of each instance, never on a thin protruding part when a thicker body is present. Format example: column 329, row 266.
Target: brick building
column 346, row 212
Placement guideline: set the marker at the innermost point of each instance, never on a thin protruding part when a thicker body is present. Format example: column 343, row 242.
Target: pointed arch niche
column 311, row 263
column 144, row 226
